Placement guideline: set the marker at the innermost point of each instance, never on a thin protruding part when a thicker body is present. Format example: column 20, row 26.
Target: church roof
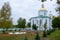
column 41, row 16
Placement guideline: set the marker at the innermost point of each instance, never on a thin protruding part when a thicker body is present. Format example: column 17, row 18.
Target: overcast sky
column 28, row 8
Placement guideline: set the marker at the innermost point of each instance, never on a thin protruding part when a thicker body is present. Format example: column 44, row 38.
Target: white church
column 39, row 21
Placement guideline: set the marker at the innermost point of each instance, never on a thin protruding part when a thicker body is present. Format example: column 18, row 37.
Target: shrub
column 25, row 38
column 44, row 34
column 37, row 37
column 34, row 27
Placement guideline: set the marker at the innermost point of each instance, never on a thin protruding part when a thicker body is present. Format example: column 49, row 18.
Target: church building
column 42, row 18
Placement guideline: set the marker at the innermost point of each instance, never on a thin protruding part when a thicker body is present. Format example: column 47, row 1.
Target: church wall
column 43, row 21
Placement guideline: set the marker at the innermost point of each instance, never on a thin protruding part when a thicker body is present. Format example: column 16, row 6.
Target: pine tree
column 37, row 37
column 44, row 34
column 45, row 27
column 29, row 24
column 25, row 38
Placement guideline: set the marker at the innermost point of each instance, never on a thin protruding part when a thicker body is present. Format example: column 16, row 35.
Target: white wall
column 43, row 21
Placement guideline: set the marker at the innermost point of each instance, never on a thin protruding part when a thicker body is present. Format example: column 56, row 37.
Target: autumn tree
column 5, row 17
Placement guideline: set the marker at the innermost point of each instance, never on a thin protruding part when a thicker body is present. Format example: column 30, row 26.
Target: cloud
column 26, row 8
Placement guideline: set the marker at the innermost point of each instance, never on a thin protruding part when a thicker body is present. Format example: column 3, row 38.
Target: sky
column 28, row 8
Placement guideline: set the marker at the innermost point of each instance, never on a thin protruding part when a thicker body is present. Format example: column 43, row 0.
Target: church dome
column 43, row 9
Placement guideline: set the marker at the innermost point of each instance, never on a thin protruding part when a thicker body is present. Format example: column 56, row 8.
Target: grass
column 16, row 37
column 55, row 35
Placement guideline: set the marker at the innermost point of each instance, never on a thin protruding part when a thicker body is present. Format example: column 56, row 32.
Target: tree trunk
column 3, row 31
column 6, row 29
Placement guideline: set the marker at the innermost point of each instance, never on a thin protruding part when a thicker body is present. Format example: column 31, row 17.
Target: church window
column 46, row 21
column 33, row 21
column 44, row 13
column 41, row 13
column 40, row 22
column 37, row 21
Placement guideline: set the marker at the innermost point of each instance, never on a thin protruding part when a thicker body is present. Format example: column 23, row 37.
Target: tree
column 44, row 34
column 37, row 37
column 58, row 8
column 34, row 26
column 21, row 23
column 56, row 23
column 58, row 1
column 29, row 24
column 8, row 24
column 6, row 11
column 53, row 17
column 6, row 21
column 45, row 27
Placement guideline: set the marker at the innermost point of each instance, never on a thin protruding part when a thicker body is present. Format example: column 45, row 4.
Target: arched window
column 46, row 21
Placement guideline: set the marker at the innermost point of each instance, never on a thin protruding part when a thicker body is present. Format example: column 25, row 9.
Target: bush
column 44, row 34
column 37, row 37
column 25, row 38
column 34, row 26
column 50, row 31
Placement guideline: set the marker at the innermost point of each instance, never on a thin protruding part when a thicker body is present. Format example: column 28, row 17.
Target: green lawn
column 55, row 35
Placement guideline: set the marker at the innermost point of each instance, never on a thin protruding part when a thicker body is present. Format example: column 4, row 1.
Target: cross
column 42, row 5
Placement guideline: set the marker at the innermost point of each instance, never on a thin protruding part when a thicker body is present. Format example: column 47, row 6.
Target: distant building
column 40, row 20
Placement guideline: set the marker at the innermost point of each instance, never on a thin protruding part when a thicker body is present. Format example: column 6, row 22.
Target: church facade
column 41, row 19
